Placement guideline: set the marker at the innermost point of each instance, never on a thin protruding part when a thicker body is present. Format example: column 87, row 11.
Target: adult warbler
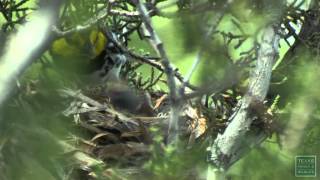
column 80, row 53
column 90, row 54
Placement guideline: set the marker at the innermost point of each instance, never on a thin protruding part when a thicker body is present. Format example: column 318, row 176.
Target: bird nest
column 117, row 137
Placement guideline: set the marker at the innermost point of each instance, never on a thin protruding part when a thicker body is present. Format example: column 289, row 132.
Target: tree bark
column 229, row 146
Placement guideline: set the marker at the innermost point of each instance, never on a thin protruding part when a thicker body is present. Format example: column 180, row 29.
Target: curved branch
column 227, row 147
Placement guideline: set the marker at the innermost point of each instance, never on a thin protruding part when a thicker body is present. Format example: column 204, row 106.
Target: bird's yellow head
column 88, row 44
column 78, row 49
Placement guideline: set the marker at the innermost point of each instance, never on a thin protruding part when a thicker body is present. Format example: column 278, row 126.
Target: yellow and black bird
column 80, row 53
column 92, row 57
column 88, row 56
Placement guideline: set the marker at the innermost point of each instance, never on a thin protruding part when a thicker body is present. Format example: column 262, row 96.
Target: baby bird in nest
column 121, row 95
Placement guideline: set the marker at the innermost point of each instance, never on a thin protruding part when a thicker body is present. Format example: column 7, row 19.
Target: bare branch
column 225, row 149
column 168, row 70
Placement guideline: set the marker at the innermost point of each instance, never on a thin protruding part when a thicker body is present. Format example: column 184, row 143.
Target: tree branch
column 102, row 14
column 226, row 148
column 168, row 70
column 150, row 62
column 27, row 45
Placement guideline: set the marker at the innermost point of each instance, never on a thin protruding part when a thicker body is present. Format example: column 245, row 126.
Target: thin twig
column 102, row 14
column 168, row 70
column 79, row 96
column 150, row 61
column 154, row 82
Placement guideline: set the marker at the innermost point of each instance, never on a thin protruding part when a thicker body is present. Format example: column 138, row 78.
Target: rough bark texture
column 228, row 146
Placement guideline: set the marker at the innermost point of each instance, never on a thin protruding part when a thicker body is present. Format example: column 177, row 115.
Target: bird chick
column 120, row 94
